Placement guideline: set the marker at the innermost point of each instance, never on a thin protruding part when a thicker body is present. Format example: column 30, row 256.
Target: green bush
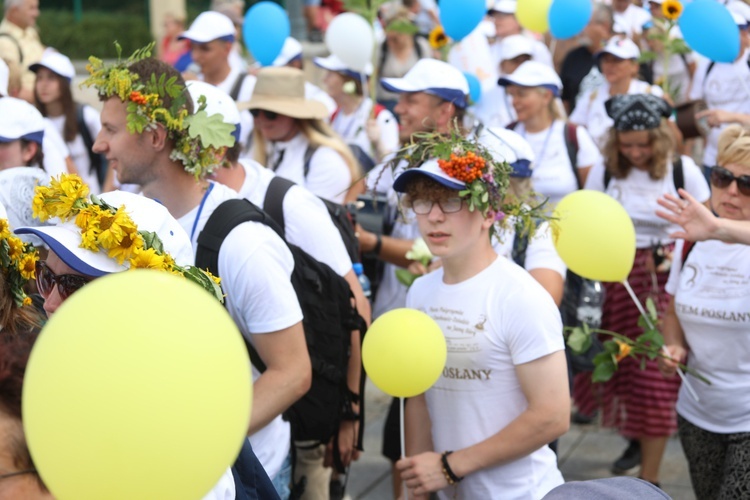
column 94, row 35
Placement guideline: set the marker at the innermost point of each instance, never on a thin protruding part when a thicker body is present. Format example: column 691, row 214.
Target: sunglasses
column 723, row 178
column 448, row 206
column 269, row 115
column 67, row 284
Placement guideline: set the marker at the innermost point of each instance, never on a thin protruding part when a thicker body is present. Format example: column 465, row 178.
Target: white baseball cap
column 430, row 169
column 56, row 63
column 290, row 51
column 433, row 77
column 533, row 74
column 20, row 120
column 504, row 6
column 739, row 19
column 210, row 26
column 65, row 238
column 621, row 47
column 510, row 146
column 217, row 102
column 333, row 63
column 515, row 45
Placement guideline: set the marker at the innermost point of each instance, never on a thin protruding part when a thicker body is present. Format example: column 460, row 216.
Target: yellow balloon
column 533, row 14
column 404, row 352
column 138, row 387
column 596, row 236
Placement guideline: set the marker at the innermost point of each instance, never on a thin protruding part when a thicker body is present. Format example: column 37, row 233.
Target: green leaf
column 603, row 372
column 578, row 341
column 611, row 347
column 602, row 357
column 643, row 363
column 152, row 240
column 651, row 307
column 211, row 129
column 405, row 277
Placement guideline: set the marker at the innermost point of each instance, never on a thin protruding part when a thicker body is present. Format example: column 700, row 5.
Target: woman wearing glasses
column 706, row 326
column 292, row 138
column 639, row 168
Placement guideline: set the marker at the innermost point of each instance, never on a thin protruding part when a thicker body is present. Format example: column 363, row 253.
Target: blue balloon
column 708, row 29
column 265, row 30
column 567, row 18
column 460, row 17
column 475, row 88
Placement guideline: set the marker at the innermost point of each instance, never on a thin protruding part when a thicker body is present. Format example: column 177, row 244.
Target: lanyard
column 200, row 209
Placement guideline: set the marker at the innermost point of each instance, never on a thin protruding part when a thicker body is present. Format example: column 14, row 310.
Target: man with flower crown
column 151, row 137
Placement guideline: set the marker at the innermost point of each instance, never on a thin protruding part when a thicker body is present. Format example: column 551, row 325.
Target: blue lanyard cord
column 200, row 210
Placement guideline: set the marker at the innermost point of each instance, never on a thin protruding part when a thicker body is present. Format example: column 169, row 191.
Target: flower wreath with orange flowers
column 111, row 230
column 200, row 140
column 487, row 179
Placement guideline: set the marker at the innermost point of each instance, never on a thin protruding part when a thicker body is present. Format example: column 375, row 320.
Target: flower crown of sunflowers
column 18, row 260
column 200, row 140
column 487, row 179
column 111, row 230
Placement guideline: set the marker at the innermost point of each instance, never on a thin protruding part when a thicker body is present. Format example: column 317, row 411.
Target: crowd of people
column 359, row 173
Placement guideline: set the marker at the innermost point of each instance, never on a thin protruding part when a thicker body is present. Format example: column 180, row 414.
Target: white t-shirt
column 540, row 252
column 77, row 148
column 255, row 267
column 632, row 20
column 55, row 151
column 307, row 223
column 495, row 108
column 552, row 174
column 329, row 176
column 712, row 302
column 352, row 128
column 224, row 489
column 590, row 111
column 492, row 322
column 638, row 194
column 726, row 87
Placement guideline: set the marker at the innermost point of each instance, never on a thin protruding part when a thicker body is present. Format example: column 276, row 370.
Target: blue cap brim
column 407, row 176
column 62, row 251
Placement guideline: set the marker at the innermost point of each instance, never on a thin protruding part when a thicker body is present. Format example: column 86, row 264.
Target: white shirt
column 492, row 322
column 726, row 87
column 638, row 193
column 540, row 252
column 632, row 20
column 552, row 174
column 55, row 151
column 255, row 267
column 329, row 176
column 352, row 128
column 307, row 223
column 712, row 301
column 77, row 148
column 224, row 489
column 591, row 113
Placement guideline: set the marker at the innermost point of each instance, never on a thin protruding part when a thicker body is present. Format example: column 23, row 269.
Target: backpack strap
column 678, row 174
column 686, row 249
column 512, row 125
column 520, row 245
column 235, row 92
column 309, row 152
column 273, row 203
column 250, row 479
column 571, row 144
column 97, row 163
column 607, row 178
column 18, row 46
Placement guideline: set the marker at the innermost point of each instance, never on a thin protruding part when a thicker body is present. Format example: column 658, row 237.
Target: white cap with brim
column 290, row 51
column 515, row 45
column 56, row 63
column 65, row 238
column 217, row 102
column 621, row 47
column 210, row 26
column 20, row 120
column 504, row 6
column 429, row 169
column 507, row 145
column 533, row 74
column 432, row 77
column 333, row 63
column 739, row 19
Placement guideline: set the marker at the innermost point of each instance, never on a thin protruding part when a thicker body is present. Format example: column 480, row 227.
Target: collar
column 16, row 31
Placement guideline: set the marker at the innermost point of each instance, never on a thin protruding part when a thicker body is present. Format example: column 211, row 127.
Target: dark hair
column 425, row 188
column 151, row 66
column 38, row 158
column 233, row 154
column 70, row 127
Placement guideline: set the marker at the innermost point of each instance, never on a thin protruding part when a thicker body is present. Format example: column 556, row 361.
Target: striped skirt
column 640, row 403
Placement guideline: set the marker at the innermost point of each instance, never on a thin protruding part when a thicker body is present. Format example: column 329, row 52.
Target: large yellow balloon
column 404, row 352
column 139, row 387
column 534, row 14
column 596, row 237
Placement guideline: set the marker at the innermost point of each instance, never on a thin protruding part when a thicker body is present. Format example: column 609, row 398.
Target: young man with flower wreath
column 484, row 426
column 152, row 139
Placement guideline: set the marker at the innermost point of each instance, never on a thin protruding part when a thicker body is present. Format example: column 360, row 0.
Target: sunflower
column 27, row 266
column 147, row 259
column 671, row 9
column 438, row 39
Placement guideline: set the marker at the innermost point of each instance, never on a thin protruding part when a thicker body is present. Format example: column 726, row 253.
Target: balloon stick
column 664, row 348
column 403, row 438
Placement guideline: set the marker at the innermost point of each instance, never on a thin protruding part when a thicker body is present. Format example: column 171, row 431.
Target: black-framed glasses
column 723, row 178
column 269, row 115
column 67, row 284
column 17, row 473
column 447, row 205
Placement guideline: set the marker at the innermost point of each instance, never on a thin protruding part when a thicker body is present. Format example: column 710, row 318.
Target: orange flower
column 137, row 97
column 624, row 350
column 465, row 168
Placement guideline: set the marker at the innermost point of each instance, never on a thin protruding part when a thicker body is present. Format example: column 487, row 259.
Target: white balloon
column 351, row 38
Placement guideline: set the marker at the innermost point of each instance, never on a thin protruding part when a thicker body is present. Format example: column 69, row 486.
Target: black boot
column 629, row 459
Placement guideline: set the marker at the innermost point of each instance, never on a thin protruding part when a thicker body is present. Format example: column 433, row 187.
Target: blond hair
column 734, row 146
column 660, row 139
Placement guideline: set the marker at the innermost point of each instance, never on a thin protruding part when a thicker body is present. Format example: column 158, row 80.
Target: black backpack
column 329, row 317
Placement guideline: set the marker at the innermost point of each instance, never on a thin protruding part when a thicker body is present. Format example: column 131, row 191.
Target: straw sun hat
column 282, row 90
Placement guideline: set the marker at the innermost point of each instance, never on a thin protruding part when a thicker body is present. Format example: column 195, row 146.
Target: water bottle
column 590, row 302
column 364, row 281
